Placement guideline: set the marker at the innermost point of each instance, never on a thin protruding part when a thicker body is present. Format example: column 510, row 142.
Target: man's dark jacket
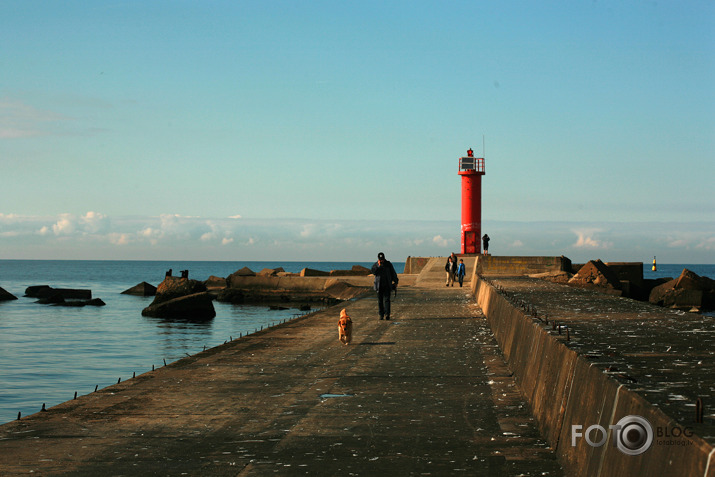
column 384, row 276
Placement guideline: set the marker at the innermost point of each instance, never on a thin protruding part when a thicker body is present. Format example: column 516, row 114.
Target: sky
column 287, row 130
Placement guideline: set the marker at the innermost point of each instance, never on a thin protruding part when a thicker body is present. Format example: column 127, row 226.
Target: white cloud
column 151, row 234
column 19, row 120
column 707, row 244
column 309, row 230
column 440, row 241
column 93, row 235
column 94, row 222
column 119, row 239
column 677, row 243
column 65, row 225
column 586, row 240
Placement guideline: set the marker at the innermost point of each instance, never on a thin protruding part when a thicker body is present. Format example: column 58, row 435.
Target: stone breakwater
column 185, row 298
column 585, row 358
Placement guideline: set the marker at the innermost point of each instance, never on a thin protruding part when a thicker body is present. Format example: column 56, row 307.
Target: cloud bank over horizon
column 94, row 235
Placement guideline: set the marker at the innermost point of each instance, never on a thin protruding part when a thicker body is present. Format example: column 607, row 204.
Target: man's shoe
column 387, row 317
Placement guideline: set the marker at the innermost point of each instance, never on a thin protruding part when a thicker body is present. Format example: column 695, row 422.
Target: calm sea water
column 48, row 353
column 674, row 270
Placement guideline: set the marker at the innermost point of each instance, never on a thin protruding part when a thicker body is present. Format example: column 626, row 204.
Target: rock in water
column 687, row 291
column 198, row 306
column 175, row 287
column 311, row 272
column 5, row 295
column 38, row 291
column 215, row 283
column 47, row 292
column 231, row 295
column 596, row 273
column 181, row 298
column 142, row 289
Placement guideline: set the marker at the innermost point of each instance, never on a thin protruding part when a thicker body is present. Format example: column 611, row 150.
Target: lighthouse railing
column 471, row 164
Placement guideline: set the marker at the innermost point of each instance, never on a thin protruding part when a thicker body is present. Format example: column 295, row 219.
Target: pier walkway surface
column 427, row 393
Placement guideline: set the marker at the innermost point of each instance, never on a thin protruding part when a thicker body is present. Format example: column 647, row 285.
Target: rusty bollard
column 699, row 410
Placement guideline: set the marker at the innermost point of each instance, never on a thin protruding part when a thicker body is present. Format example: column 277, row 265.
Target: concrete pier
column 426, row 393
column 475, row 381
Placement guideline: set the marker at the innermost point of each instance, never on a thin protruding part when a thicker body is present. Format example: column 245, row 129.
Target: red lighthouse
column 471, row 169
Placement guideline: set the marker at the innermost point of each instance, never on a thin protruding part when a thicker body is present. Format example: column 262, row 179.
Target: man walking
column 451, row 268
column 385, row 281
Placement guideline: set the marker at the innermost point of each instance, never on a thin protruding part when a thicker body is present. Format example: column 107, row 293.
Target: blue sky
column 284, row 130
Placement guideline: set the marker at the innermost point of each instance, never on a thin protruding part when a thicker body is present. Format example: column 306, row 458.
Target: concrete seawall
column 498, row 265
column 565, row 388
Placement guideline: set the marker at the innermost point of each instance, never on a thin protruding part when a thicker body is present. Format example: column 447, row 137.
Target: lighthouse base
column 470, row 242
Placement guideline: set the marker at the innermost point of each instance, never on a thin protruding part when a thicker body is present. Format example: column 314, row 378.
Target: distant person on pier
column 451, row 269
column 461, row 271
column 485, row 243
column 385, row 281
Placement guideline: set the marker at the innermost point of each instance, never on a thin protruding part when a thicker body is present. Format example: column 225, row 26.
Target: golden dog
column 345, row 327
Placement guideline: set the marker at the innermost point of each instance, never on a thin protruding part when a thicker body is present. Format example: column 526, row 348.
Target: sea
column 49, row 353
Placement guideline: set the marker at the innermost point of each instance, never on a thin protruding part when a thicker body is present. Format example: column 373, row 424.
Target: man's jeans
column 383, row 303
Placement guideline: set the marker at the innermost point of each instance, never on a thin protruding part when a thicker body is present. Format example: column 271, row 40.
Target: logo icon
column 634, row 435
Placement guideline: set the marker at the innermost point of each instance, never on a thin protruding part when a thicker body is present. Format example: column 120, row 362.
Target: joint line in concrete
column 710, row 459
column 565, row 397
column 610, row 434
